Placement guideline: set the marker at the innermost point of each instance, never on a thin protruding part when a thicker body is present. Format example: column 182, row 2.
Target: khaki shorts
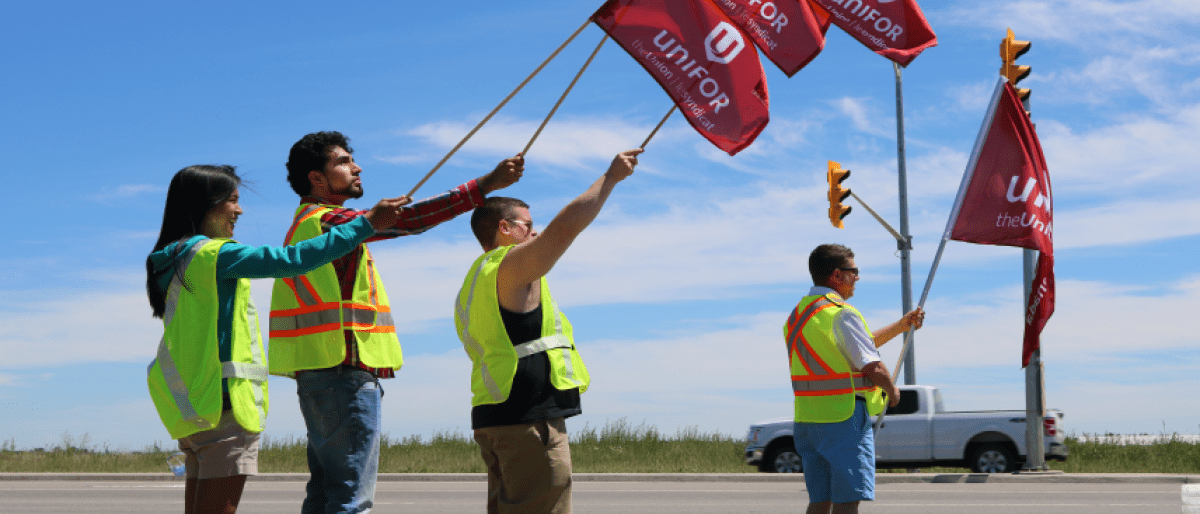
column 529, row 467
column 225, row 451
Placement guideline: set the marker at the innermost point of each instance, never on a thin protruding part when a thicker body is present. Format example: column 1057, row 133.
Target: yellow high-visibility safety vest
column 185, row 377
column 823, row 382
column 308, row 315
column 493, row 356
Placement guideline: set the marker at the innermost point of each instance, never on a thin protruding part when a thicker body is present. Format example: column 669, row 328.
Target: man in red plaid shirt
column 332, row 328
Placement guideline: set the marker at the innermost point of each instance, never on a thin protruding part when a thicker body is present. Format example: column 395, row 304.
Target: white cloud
column 971, row 98
column 1126, row 222
column 110, row 194
column 88, row 326
column 862, row 116
column 1139, row 151
column 1090, row 23
column 566, row 141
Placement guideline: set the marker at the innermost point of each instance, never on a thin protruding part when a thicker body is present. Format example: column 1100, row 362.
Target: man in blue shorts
column 839, row 382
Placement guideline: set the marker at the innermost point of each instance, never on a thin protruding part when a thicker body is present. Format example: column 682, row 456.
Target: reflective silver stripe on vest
column 166, row 364
column 302, row 293
column 564, row 354
column 463, row 312
column 801, row 350
column 306, row 320
column 179, row 390
column 828, row 384
column 256, row 360
column 173, row 290
column 362, row 316
column 543, row 344
column 352, row 315
column 252, row 372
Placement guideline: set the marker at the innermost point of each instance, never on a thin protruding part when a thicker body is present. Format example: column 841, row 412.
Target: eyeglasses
column 851, row 270
column 528, row 224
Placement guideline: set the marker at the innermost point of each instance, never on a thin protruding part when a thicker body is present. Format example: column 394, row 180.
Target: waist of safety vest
column 541, row 345
column 314, row 319
column 830, row 385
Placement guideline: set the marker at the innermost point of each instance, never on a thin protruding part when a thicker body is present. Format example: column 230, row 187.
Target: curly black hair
column 311, row 153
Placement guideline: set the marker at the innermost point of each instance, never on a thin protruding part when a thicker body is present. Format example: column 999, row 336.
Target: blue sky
column 679, row 290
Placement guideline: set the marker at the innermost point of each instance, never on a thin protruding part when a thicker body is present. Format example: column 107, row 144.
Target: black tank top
column 533, row 397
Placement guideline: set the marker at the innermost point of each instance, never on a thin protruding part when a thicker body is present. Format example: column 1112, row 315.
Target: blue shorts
column 839, row 458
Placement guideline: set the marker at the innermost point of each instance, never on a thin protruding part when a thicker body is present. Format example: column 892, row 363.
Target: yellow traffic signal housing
column 1010, row 50
column 837, row 194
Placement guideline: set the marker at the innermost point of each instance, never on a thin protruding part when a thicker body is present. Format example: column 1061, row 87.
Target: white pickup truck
column 918, row 432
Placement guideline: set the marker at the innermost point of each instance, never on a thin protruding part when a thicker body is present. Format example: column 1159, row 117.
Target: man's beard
column 350, row 191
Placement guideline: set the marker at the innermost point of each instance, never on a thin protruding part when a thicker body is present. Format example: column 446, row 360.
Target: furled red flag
column 895, row 29
column 789, row 32
column 701, row 59
column 1005, row 200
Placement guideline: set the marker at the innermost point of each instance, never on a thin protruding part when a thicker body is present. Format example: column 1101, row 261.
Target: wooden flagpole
column 498, row 107
column 660, row 124
column 564, row 95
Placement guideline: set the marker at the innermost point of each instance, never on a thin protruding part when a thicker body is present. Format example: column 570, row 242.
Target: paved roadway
column 717, row 495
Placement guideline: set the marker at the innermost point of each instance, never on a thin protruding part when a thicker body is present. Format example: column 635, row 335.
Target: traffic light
column 1010, row 49
column 837, row 193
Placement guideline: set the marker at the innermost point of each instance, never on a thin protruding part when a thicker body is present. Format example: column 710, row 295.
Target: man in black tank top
column 523, row 439
column 533, row 398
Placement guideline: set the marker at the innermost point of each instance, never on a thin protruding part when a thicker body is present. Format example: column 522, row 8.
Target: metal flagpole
column 905, row 244
column 1035, row 458
column 950, row 221
column 1035, row 403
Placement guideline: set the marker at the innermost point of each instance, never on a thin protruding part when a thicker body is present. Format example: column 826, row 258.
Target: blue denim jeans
column 341, row 408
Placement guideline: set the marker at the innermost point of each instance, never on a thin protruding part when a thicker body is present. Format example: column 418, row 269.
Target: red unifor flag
column 1005, row 200
column 789, row 32
column 701, row 59
column 895, row 29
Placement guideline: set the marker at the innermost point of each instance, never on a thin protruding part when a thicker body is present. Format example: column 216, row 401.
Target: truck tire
column 782, row 458
column 993, row 458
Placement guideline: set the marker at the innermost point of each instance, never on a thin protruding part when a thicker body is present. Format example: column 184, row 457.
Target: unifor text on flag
column 789, row 32
column 701, row 59
column 895, row 29
column 1005, row 200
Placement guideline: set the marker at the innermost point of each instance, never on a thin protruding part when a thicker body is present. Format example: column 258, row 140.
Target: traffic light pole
column 1035, row 408
column 1035, row 404
column 904, row 241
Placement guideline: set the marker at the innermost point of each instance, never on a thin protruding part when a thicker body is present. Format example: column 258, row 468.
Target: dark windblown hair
column 194, row 191
column 310, row 153
column 486, row 218
column 825, row 259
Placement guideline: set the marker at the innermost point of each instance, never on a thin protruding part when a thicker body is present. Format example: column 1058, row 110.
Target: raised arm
column 531, row 260
column 507, row 173
column 914, row 319
column 240, row 261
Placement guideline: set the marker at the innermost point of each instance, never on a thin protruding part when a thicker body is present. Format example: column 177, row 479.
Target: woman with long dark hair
column 209, row 379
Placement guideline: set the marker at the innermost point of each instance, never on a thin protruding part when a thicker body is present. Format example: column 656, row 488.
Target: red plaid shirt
column 415, row 218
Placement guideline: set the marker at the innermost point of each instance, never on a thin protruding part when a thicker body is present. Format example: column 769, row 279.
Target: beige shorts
column 225, row 451
column 529, row 467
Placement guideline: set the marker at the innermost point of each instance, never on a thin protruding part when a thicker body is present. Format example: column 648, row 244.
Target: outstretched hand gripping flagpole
column 498, row 107
column 958, row 201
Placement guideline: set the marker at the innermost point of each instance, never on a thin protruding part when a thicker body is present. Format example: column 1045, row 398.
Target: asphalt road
column 642, row 496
